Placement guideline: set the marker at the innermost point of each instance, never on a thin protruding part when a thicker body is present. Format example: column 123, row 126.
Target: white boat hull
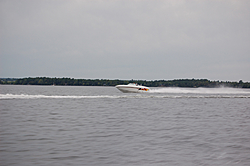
column 132, row 88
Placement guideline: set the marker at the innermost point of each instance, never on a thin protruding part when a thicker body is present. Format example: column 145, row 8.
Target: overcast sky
column 126, row 39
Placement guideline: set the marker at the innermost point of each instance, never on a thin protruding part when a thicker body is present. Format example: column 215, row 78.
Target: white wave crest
column 134, row 96
column 25, row 96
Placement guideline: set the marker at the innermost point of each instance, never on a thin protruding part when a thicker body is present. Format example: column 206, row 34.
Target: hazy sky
column 126, row 39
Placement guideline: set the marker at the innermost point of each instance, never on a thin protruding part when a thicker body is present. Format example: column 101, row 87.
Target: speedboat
column 132, row 88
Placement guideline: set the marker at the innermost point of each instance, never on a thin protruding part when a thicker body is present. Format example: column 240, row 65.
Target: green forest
column 192, row 83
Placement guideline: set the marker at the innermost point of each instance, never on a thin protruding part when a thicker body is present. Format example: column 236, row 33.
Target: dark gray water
column 53, row 125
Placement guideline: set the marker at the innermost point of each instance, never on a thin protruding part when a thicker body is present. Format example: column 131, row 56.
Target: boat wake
column 25, row 96
column 134, row 96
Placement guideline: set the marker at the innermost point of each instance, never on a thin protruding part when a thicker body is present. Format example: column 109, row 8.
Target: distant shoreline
column 189, row 83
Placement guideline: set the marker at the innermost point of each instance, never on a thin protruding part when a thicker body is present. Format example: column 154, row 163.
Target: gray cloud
column 126, row 39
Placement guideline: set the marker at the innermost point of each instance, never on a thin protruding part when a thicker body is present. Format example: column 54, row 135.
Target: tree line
column 192, row 83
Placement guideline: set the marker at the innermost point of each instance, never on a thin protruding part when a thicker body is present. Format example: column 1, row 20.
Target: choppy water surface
column 53, row 125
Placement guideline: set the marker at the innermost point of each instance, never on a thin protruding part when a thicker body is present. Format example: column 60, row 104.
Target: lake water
column 101, row 126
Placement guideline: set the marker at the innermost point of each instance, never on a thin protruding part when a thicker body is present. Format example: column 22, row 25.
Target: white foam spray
column 25, row 96
column 173, row 93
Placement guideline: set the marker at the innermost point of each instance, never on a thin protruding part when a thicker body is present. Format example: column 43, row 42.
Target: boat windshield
column 134, row 84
